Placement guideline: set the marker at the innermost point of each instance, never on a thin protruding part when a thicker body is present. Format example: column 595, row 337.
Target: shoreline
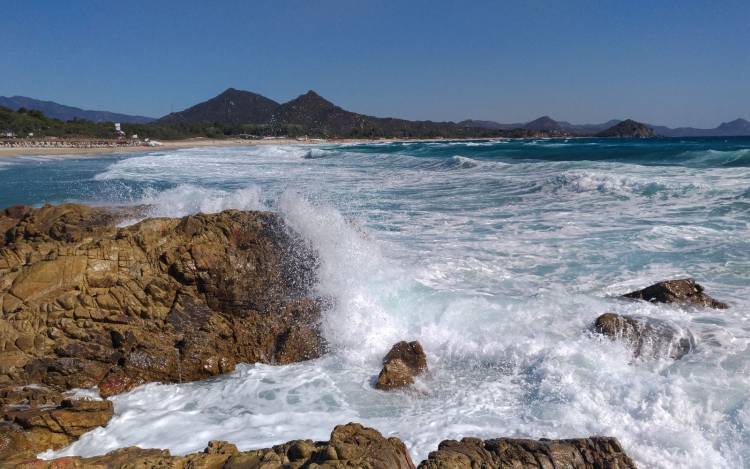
column 9, row 152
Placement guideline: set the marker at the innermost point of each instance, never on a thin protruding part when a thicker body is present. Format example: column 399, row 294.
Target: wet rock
column 35, row 418
column 403, row 362
column 682, row 291
column 582, row 453
column 646, row 337
column 351, row 445
column 85, row 303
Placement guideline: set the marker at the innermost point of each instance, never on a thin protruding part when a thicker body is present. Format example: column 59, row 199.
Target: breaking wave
column 498, row 261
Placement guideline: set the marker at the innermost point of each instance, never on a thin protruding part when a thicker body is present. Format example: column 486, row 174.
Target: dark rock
column 403, row 362
column 582, row 453
column 646, row 337
column 680, row 291
column 628, row 129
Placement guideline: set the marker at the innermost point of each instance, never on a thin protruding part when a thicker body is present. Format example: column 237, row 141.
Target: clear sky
column 663, row 62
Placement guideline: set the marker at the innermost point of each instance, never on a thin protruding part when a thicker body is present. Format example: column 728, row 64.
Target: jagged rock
column 35, row 418
column 85, row 303
column 508, row 453
column 647, row 337
column 351, row 445
column 403, row 362
column 680, row 291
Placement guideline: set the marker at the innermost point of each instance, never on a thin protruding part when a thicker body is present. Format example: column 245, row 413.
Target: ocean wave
column 712, row 158
column 187, row 199
column 608, row 183
column 462, row 162
column 317, row 153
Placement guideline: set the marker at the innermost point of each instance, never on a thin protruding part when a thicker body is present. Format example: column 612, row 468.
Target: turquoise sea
column 496, row 255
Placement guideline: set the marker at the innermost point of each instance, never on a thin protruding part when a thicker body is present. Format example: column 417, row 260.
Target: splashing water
column 497, row 256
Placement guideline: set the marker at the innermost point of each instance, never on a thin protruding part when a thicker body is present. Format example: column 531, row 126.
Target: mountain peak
column 62, row 112
column 543, row 123
column 231, row 105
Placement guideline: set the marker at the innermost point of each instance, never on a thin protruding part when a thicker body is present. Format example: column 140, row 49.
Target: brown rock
column 681, row 291
column 85, row 303
column 502, row 453
column 403, row 362
column 353, row 445
column 646, row 337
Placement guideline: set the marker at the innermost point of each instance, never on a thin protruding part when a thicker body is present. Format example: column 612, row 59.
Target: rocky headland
column 86, row 303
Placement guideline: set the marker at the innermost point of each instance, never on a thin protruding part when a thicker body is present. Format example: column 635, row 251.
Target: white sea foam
column 499, row 273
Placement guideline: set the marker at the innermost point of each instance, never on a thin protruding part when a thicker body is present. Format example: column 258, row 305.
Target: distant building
column 118, row 130
column 8, row 134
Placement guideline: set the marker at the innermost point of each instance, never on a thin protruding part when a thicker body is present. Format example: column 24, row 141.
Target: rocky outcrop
column 646, row 337
column 351, row 445
column 501, row 453
column 681, row 291
column 628, row 129
column 403, row 362
column 85, row 303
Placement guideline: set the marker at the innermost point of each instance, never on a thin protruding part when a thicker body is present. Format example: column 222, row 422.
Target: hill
column 544, row 123
column 231, row 106
column 31, row 121
column 55, row 110
column 735, row 128
column 628, row 129
column 235, row 111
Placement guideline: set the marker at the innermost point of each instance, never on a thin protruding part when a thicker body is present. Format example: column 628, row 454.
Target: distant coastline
column 193, row 143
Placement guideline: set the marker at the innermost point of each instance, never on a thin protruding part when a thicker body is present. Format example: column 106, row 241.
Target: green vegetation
column 23, row 122
column 338, row 124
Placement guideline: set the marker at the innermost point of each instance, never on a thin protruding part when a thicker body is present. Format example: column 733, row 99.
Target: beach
column 163, row 145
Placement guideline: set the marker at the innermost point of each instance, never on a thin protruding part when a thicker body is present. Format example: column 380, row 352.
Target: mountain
column 544, row 123
column 232, row 106
column 65, row 113
column 313, row 112
column 735, row 128
column 628, row 129
column 310, row 114
column 480, row 124
column 316, row 115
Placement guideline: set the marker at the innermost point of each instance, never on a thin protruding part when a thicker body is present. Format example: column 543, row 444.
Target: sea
column 497, row 255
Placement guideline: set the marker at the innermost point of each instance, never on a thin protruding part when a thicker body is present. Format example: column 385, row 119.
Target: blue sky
column 664, row 62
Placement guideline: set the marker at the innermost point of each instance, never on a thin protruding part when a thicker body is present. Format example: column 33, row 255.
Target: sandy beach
column 164, row 145
column 187, row 143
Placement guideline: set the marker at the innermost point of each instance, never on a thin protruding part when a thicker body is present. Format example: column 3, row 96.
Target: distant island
column 243, row 114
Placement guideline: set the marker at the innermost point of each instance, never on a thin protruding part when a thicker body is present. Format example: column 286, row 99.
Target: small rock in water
column 681, row 291
column 405, row 361
column 646, row 337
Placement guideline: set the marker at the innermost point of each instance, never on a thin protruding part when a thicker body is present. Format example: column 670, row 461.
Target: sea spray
column 499, row 270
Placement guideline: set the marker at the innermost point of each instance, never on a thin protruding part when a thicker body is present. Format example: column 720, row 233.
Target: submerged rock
column 85, row 303
column 351, row 445
column 404, row 361
column 680, row 291
column 580, row 453
column 646, row 337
